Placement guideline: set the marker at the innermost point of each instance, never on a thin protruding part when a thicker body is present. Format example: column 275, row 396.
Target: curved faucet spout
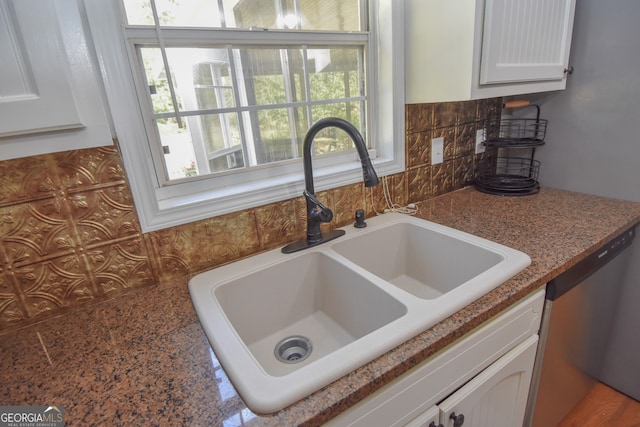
column 369, row 174
column 316, row 212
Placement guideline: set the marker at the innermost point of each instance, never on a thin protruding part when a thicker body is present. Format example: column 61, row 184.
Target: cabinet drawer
column 435, row 378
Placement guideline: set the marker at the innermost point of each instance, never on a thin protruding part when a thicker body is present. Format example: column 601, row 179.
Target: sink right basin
column 422, row 261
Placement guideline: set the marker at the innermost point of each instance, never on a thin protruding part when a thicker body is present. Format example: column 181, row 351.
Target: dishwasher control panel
column 576, row 274
column 618, row 244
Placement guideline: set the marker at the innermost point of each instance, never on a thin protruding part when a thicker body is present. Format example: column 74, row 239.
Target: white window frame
column 161, row 207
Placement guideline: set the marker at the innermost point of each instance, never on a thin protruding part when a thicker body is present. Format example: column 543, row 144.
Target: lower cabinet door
column 497, row 397
column 429, row 418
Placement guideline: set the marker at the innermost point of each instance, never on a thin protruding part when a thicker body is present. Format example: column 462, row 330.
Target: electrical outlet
column 480, row 138
column 437, row 150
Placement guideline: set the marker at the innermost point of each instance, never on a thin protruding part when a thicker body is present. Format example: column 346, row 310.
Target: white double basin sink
column 285, row 325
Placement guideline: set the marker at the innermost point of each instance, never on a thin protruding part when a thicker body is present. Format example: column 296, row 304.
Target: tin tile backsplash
column 69, row 233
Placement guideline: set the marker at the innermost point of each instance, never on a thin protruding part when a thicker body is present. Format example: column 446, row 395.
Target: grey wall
column 593, row 145
column 593, row 138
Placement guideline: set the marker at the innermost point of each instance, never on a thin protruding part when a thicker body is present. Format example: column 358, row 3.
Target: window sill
column 174, row 210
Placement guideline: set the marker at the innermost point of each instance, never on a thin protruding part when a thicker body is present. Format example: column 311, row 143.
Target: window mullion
column 364, row 15
column 288, row 83
column 288, row 89
column 260, row 107
column 364, row 123
column 239, row 94
column 163, row 52
column 307, row 84
column 149, row 117
column 220, row 100
column 199, row 37
column 223, row 18
column 298, row 14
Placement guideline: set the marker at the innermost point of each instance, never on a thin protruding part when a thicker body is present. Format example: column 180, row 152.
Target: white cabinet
column 429, row 418
column 51, row 96
column 497, row 397
column 485, row 377
column 35, row 92
column 473, row 49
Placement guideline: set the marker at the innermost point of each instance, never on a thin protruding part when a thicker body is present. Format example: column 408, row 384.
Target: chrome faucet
column 317, row 213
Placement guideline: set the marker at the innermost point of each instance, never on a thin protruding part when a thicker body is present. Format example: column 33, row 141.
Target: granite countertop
column 143, row 358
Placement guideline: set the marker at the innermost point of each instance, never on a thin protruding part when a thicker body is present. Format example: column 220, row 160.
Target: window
column 211, row 99
column 229, row 108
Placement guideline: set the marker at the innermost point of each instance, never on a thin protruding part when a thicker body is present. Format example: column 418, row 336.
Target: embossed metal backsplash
column 69, row 233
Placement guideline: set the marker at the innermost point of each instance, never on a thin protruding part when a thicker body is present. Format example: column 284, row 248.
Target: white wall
column 593, row 145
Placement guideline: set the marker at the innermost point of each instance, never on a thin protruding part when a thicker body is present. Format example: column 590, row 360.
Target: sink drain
column 293, row 349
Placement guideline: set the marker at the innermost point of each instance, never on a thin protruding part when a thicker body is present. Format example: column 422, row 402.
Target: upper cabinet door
column 51, row 92
column 525, row 40
column 35, row 92
column 473, row 49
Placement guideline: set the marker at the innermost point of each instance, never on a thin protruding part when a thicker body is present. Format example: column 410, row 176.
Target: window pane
column 272, row 76
column 318, row 15
column 157, row 81
column 335, row 139
column 212, row 85
column 331, row 140
column 180, row 158
column 138, row 12
column 183, row 13
column 205, row 144
column 251, row 13
column 331, row 15
column 221, row 138
column 335, row 73
column 201, row 78
column 275, row 142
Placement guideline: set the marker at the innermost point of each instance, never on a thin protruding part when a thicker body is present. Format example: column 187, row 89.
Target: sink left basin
column 311, row 296
column 286, row 325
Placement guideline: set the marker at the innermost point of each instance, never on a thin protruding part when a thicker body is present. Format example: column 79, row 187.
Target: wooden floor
column 604, row 406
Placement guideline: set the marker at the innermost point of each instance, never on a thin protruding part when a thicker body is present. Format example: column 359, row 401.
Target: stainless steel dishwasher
column 576, row 324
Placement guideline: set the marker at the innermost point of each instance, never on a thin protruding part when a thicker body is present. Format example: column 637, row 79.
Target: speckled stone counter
column 143, row 359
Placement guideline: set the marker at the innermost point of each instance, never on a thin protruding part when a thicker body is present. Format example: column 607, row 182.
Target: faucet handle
column 324, row 214
column 312, row 199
